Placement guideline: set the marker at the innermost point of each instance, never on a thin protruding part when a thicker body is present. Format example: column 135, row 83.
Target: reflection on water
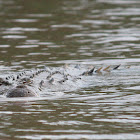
column 97, row 32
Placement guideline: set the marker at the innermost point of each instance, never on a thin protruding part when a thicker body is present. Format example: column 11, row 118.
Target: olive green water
column 35, row 33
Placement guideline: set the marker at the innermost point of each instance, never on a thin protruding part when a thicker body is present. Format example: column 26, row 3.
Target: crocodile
column 31, row 83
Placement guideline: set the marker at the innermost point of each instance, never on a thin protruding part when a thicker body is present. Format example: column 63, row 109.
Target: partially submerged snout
column 20, row 91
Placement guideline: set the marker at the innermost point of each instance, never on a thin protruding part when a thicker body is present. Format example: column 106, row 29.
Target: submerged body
column 31, row 84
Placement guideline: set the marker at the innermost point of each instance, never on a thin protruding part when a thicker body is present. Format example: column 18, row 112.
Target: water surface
column 36, row 33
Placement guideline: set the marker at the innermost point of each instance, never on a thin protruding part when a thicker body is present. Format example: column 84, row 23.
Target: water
column 94, row 32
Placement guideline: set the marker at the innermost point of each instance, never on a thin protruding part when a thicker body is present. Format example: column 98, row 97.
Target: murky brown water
column 54, row 32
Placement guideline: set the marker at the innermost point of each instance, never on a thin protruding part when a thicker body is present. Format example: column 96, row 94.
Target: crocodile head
column 20, row 91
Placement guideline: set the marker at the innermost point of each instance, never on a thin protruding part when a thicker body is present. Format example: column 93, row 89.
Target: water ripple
column 102, row 33
column 25, row 20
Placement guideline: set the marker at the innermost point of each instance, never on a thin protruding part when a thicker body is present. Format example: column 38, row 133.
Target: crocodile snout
column 20, row 91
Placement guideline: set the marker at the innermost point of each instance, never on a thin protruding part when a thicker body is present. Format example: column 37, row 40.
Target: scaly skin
column 23, row 84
